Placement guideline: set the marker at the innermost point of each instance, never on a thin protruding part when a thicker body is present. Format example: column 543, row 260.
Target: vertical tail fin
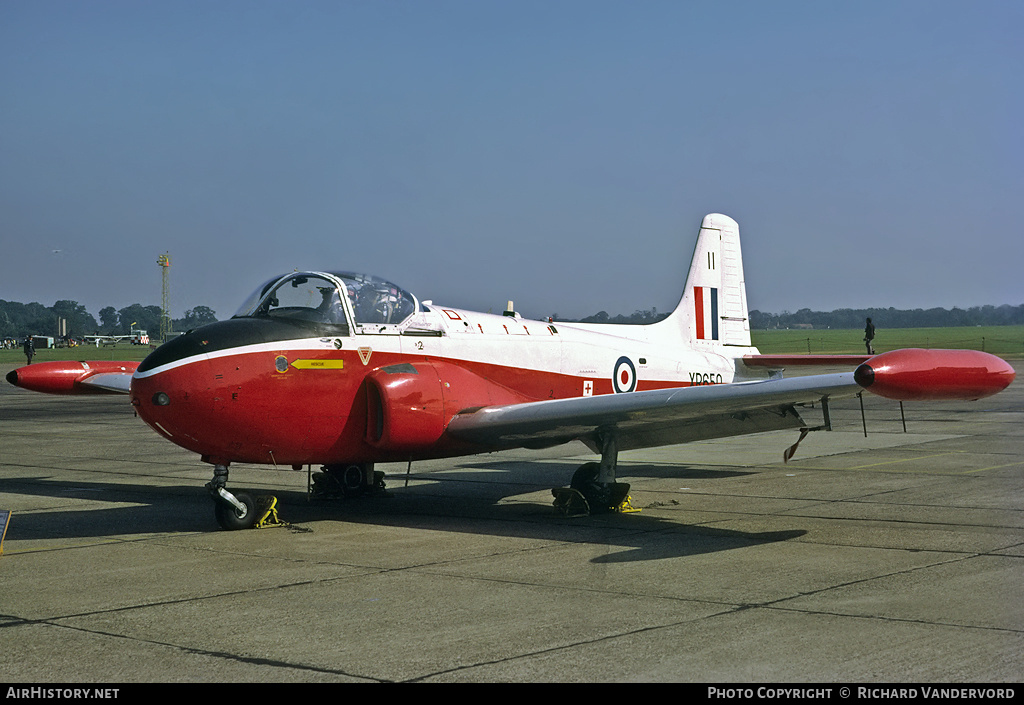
column 713, row 309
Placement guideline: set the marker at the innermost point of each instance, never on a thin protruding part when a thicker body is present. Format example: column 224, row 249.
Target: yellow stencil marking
column 318, row 364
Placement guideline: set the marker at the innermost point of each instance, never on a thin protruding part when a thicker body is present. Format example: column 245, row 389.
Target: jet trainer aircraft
column 345, row 370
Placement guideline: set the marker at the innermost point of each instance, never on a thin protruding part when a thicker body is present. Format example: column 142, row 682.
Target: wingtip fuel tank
column 69, row 377
column 915, row 374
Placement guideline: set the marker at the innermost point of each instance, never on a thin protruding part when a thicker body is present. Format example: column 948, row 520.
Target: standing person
column 869, row 335
column 30, row 349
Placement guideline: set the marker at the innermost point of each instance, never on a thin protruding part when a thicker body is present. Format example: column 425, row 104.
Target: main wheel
column 585, row 478
column 353, row 480
column 600, row 496
column 231, row 518
column 337, row 481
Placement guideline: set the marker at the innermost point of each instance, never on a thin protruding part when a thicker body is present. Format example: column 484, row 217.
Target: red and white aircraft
column 345, row 370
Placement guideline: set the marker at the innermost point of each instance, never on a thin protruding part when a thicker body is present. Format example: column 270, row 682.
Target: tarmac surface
column 893, row 558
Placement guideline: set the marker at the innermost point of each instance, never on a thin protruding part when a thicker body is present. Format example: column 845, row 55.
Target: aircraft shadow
column 625, row 470
column 441, row 506
column 642, row 537
column 153, row 510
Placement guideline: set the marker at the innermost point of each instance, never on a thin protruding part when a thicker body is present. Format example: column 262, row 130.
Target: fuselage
column 287, row 382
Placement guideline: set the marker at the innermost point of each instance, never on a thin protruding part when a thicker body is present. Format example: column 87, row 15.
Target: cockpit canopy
column 331, row 298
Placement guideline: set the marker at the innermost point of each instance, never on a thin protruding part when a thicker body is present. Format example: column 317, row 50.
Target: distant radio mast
column 164, row 261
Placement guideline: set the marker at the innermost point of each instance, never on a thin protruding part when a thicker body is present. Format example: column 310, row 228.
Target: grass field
column 998, row 340
column 1007, row 341
column 82, row 352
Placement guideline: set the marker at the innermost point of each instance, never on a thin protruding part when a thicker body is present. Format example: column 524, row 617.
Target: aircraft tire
column 584, row 481
column 585, row 477
column 228, row 516
column 353, row 479
column 602, row 498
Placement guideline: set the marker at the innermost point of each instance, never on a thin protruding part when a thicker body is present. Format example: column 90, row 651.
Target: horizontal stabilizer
column 809, row 360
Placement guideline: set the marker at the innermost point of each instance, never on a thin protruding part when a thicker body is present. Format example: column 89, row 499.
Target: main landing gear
column 593, row 489
column 345, row 481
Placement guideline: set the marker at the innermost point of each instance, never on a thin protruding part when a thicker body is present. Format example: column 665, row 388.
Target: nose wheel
column 231, row 516
column 234, row 511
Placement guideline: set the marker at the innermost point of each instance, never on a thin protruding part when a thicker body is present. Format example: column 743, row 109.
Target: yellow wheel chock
column 571, row 503
column 626, row 506
column 266, row 507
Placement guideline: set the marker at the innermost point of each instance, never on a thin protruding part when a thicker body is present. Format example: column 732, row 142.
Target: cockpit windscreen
column 315, row 298
column 302, row 297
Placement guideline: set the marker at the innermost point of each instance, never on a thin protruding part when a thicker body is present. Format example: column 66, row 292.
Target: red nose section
column 914, row 374
column 66, row 377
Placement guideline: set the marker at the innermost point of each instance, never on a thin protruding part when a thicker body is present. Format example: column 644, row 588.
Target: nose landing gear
column 235, row 511
column 239, row 510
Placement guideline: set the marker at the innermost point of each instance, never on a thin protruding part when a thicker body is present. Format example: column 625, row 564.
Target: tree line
column 850, row 318
column 18, row 320
column 845, row 318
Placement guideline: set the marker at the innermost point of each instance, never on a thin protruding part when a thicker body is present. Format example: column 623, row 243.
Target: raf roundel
column 624, row 377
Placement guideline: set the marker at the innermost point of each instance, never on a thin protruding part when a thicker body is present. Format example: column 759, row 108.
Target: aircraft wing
column 115, row 382
column 656, row 417
column 668, row 416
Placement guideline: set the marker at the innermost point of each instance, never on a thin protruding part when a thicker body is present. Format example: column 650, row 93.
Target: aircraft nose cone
column 12, row 377
column 864, row 375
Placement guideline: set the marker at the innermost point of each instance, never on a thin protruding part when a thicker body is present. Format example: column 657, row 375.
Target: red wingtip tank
column 61, row 377
column 914, row 374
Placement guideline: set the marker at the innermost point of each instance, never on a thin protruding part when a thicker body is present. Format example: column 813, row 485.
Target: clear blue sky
column 560, row 153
